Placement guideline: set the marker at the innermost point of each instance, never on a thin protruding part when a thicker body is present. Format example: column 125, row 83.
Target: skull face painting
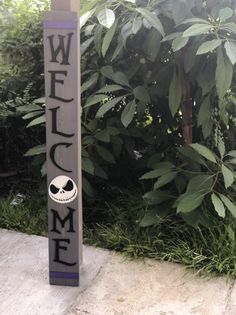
column 63, row 189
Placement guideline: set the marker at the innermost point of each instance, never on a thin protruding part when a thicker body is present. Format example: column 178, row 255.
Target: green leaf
column 150, row 218
column 229, row 205
column 197, row 29
column 137, row 24
column 179, row 43
column 195, row 20
column 128, row 113
column 171, row 36
column 165, row 179
column 89, row 83
column 33, row 114
column 87, row 188
column 28, row 108
column 126, row 32
column 98, row 39
column 113, row 131
column 40, row 101
column 105, row 154
column 43, row 170
column 110, row 88
column 230, row 48
column 99, row 171
column 224, row 74
column 106, row 17
column 37, row 150
column 200, row 184
column 221, row 147
column 204, row 113
column 156, row 197
column 161, row 169
column 151, row 45
column 228, row 176
column 230, row 27
column 107, row 106
column 218, row 205
column 87, row 166
column 121, row 78
column 107, row 71
column 209, row 46
column 206, row 77
column 179, row 11
column 88, row 6
column 225, row 14
column 207, row 128
column 108, row 38
column 94, row 99
column 38, row 121
column 204, row 151
column 103, row 136
column 191, row 154
column 175, row 93
column 190, row 57
column 85, row 17
column 118, row 49
column 189, row 202
column 141, row 93
column 152, row 19
column 232, row 153
column 85, row 45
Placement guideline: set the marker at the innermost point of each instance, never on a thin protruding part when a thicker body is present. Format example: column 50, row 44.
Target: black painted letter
column 53, row 152
column 65, row 51
column 54, row 124
column 58, row 246
column 54, row 81
column 69, row 218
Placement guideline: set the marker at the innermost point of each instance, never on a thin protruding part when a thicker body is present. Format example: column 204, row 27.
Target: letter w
column 63, row 48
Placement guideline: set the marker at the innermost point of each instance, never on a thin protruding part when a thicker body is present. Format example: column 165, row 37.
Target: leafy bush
column 21, row 80
column 157, row 76
column 168, row 72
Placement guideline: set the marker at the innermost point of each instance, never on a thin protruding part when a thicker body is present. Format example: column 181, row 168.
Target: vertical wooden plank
column 62, row 88
column 65, row 5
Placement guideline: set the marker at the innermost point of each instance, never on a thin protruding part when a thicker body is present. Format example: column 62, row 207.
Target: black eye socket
column 69, row 186
column 54, row 190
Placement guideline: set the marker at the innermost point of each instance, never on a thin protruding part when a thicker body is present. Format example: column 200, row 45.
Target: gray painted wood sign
column 62, row 88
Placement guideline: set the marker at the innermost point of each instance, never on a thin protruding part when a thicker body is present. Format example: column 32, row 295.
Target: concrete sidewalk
column 110, row 285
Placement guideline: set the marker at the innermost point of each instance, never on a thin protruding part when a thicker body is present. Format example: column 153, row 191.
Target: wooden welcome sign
column 62, row 85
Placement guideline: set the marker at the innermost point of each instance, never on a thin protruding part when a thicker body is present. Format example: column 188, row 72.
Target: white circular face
column 62, row 189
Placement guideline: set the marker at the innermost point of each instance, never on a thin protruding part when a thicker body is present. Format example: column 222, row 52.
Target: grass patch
column 114, row 225
column 28, row 217
column 206, row 251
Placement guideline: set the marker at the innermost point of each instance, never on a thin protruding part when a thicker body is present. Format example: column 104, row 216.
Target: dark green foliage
column 156, row 75
column 21, row 80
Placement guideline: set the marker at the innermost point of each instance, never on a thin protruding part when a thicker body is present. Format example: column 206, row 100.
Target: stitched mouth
column 64, row 200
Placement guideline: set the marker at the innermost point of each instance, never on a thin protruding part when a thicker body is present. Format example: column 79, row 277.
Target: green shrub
column 156, row 76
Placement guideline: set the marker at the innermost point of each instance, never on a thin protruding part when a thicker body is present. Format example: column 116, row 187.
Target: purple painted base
column 63, row 275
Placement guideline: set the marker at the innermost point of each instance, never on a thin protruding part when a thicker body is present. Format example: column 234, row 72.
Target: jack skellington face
column 62, row 189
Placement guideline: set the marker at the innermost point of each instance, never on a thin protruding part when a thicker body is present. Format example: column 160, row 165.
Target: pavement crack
column 228, row 297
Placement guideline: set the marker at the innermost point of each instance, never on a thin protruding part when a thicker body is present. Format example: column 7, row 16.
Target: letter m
column 63, row 48
column 69, row 218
